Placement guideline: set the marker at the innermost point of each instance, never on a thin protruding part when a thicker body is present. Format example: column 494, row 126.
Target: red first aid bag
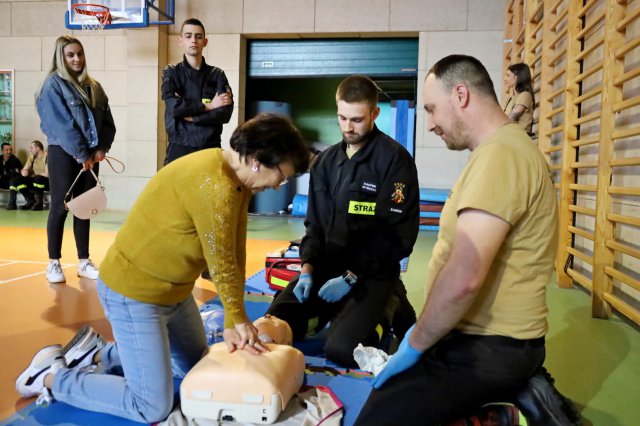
column 280, row 270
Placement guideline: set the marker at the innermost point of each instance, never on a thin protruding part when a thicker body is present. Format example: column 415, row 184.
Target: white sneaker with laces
column 31, row 381
column 54, row 272
column 87, row 269
column 78, row 353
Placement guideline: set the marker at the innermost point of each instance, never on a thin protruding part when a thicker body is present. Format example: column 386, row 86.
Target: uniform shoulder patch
column 398, row 193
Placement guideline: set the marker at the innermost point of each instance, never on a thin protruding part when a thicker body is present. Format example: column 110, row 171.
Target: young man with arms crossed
column 197, row 97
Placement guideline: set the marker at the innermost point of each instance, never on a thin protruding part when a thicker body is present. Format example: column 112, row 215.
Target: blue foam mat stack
column 431, row 203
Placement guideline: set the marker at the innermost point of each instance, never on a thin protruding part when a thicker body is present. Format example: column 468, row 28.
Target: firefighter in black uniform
column 362, row 220
column 197, row 97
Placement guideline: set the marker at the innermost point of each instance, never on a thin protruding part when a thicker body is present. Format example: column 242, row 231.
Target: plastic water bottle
column 213, row 326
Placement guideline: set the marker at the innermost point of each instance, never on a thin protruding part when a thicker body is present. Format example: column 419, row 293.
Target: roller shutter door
column 334, row 57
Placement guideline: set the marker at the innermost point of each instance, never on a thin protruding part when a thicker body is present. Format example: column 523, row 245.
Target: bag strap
column 67, row 195
column 106, row 157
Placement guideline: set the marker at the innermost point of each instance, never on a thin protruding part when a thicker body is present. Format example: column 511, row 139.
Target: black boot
column 543, row 405
column 28, row 195
column 13, row 196
column 39, row 203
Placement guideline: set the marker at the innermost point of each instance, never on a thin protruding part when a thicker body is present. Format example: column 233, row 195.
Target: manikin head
column 273, row 330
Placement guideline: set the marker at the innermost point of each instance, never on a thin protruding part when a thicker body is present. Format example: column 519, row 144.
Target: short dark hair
column 455, row 69
column 3, row 144
column 358, row 88
column 38, row 144
column 192, row 21
column 271, row 139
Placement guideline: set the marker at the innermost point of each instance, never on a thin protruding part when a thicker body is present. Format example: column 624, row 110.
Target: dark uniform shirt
column 363, row 212
column 8, row 170
column 183, row 90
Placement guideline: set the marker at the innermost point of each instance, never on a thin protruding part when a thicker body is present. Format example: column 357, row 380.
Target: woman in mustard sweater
column 191, row 215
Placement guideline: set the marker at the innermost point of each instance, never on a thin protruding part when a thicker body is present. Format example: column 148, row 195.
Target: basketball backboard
column 124, row 13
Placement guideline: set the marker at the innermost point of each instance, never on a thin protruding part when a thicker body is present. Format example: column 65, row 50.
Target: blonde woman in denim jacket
column 76, row 118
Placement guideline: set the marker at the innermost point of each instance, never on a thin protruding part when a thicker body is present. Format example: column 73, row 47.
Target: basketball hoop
column 92, row 17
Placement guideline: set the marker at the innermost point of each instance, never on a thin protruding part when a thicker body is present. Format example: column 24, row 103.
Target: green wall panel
column 313, row 105
column 333, row 57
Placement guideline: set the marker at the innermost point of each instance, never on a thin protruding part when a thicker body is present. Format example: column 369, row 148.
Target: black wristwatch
column 350, row 278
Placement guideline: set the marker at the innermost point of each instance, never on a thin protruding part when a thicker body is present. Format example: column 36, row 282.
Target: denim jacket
column 70, row 123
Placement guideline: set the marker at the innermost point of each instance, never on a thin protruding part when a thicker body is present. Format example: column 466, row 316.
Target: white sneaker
column 87, row 269
column 46, row 360
column 54, row 272
column 80, row 350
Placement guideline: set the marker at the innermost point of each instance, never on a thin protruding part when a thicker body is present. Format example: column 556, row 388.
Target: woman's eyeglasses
column 284, row 179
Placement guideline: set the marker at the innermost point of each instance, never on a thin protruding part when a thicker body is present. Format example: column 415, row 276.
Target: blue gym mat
column 352, row 391
column 257, row 284
column 352, row 387
column 61, row 414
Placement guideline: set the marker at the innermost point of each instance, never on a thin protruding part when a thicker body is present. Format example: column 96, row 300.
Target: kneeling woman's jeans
column 153, row 344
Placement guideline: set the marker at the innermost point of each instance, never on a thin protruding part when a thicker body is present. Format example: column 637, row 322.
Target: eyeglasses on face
column 283, row 178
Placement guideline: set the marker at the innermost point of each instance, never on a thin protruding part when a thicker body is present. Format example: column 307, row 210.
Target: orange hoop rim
column 99, row 11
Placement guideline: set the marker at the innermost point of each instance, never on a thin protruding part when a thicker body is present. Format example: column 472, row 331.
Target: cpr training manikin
column 243, row 387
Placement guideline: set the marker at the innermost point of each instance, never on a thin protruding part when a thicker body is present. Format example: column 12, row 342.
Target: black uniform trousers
column 36, row 183
column 453, row 378
column 353, row 319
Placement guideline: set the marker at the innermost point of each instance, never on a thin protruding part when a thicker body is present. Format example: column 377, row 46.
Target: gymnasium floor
column 595, row 362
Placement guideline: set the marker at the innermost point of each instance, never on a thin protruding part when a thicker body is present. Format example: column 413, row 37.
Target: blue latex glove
column 404, row 358
column 303, row 287
column 334, row 289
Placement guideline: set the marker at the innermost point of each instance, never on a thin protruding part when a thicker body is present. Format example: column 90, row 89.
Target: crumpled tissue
column 370, row 359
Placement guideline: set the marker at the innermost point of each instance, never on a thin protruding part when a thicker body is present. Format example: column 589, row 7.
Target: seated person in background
column 520, row 104
column 361, row 221
column 33, row 179
column 10, row 167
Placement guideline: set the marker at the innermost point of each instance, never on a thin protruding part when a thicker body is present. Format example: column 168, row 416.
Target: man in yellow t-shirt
column 480, row 336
